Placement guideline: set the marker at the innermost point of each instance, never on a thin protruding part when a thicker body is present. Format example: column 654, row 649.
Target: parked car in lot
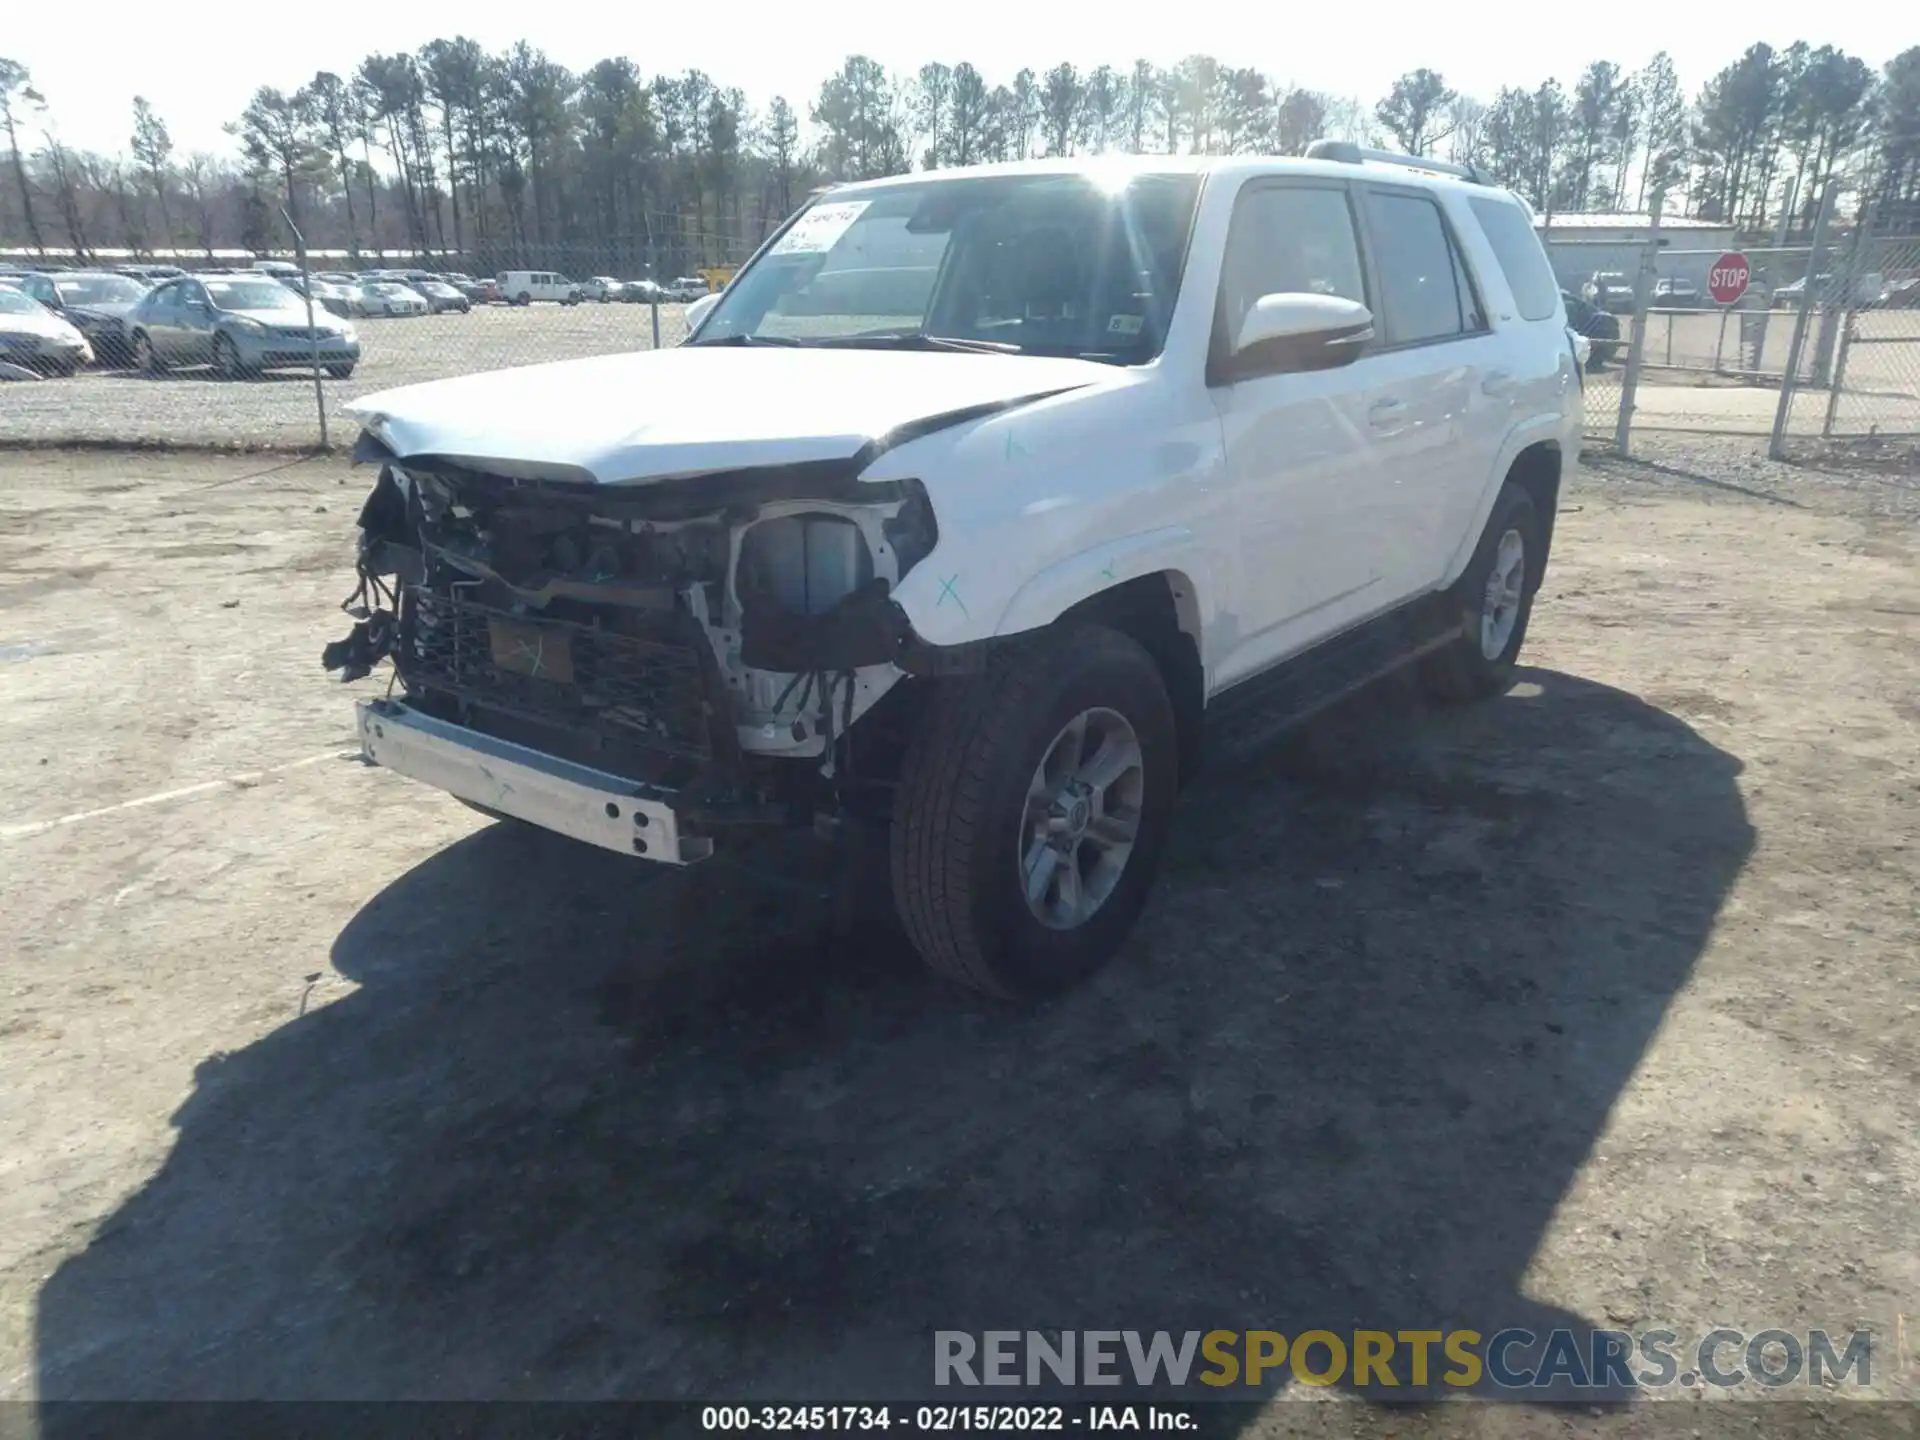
column 642, row 292
column 238, row 324
column 149, row 275
column 1832, row 289
column 391, row 298
column 334, row 299
column 689, row 287
column 603, row 288
column 1144, row 445
column 1609, row 290
column 1674, row 292
column 1602, row 331
column 33, row 336
column 523, row 287
column 442, row 297
column 94, row 302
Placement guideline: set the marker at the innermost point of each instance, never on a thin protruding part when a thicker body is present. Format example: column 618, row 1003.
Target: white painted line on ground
column 230, row 782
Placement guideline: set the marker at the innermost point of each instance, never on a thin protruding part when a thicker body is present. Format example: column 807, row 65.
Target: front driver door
column 1299, row 450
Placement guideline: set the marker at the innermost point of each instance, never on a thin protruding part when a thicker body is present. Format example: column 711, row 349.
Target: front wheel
column 226, row 359
column 145, row 358
column 340, row 372
column 1496, row 601
column 1033, row 804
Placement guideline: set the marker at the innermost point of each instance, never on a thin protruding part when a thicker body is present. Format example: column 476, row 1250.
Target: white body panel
column 1291, row 507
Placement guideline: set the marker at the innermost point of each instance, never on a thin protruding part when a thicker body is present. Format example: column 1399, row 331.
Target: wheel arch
column 1535, row 462
column 1160, row 611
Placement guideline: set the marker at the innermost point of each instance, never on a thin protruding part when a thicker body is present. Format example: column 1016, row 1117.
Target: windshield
column 1041, row 264
column 251, row 295
column 99, row 289
column 12, row 302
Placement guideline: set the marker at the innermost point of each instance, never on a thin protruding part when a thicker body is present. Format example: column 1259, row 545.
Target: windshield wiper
column 743, row 339
column 918, row 340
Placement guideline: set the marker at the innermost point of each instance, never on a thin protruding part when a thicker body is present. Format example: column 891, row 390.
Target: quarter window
column 1522, row 260
column 1424, row 289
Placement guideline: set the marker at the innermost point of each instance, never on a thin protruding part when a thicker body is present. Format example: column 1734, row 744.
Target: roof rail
column 1346, row 152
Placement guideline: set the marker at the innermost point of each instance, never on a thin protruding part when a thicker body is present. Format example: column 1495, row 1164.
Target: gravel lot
column 193, row 407
column 1594, row 1005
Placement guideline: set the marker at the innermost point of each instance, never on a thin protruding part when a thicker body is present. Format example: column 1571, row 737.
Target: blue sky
column 199, row 74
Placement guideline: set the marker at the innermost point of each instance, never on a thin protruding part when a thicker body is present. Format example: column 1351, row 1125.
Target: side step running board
column 1258, row 710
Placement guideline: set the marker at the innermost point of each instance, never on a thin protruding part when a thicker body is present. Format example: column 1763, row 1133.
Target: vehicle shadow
column 578, row 1135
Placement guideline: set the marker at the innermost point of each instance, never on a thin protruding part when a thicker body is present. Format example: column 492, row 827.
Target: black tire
column 145, row 358
column 1464, row 670
column 956, row 836
column 226, row 359
column 340, row 372
column 523, row 298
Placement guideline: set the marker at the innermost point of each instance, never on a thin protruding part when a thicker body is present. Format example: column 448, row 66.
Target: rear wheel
column 340, row 372
column 523, row 298
column 1496, row 601
column 1032, row 807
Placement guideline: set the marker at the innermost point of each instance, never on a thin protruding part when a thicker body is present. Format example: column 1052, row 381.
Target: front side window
column 1039, row 264
column 1289, row 239
column 1423, row 285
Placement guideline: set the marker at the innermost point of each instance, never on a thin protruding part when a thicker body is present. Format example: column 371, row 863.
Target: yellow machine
column 717, row 276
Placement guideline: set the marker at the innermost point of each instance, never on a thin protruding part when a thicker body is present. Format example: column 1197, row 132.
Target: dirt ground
column 1592, row 1006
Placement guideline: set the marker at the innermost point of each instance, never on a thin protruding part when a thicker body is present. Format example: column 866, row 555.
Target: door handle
column 1497, row 382
column 1385, row 412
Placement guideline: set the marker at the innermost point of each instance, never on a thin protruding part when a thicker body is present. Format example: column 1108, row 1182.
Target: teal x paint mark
column 948, row 592
column 1014, row 447
column 1108, row 572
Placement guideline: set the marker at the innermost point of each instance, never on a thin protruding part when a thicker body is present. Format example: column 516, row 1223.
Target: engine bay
column 676, row 633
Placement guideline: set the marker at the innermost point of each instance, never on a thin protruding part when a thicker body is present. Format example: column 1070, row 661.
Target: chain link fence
column 409, row 329
column 1823, row 350
column 1821, row 353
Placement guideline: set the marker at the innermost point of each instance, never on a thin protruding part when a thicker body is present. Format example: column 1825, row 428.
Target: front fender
column 1064, row 584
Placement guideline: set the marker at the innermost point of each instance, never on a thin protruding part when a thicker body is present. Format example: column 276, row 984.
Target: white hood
column 651, row 415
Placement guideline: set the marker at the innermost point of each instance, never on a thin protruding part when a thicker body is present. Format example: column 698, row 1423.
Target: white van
column 523, row 287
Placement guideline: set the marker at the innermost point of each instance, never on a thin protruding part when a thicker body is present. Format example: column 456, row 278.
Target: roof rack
column 1345, row 152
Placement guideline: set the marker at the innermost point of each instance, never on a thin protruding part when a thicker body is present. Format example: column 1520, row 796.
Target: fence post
column 653, row 302
column 313, row 336
column 1636, row 344
column 1862, row 237
column 1776, row 447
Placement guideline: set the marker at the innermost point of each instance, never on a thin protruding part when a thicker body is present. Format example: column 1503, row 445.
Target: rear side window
column 1423, row 285
column 1522, row 260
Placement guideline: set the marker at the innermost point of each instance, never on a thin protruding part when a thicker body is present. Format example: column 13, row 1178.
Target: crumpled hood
column 652, row 415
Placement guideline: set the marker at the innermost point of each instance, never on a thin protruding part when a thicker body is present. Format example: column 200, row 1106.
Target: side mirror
column 1300, row 331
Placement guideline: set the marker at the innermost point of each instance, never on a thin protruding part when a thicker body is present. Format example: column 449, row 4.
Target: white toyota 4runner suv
column 973, row 504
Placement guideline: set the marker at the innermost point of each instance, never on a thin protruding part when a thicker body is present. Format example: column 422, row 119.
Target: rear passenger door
column 1439, row 394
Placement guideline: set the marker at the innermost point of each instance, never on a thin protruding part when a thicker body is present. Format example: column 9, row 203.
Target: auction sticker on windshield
column 819, row 228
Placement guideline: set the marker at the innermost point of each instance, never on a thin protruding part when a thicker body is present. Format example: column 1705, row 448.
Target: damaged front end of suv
column 641, row 667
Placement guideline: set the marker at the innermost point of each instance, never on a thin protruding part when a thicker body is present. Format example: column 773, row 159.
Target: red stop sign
column 1727, row 280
